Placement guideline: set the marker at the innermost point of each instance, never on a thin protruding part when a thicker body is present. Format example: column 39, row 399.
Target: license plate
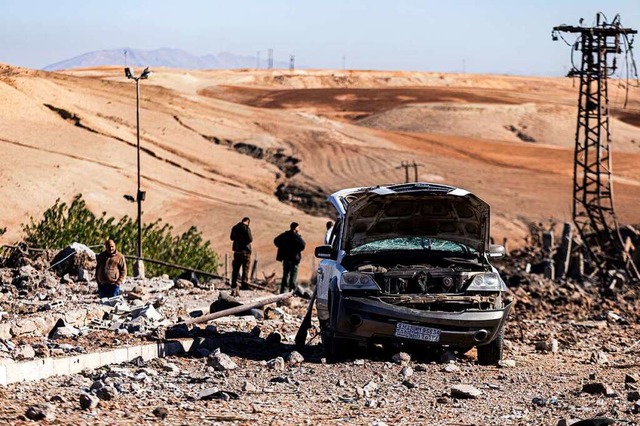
column 417, row 332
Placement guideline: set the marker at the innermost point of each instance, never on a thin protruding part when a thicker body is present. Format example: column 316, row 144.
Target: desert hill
column 218, row 145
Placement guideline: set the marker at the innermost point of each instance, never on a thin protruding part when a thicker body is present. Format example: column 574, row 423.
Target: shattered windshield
column 413, row 244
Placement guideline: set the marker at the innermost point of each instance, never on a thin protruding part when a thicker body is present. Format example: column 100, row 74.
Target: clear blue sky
column 487, row 36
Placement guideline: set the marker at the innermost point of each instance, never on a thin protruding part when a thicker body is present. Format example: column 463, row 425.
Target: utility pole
column 405, row 166
column 415, row 170
column 140, row 195
column 593, row 212
column 270, row 61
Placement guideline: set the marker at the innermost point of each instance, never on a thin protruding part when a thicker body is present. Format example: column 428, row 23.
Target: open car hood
column 412, row 209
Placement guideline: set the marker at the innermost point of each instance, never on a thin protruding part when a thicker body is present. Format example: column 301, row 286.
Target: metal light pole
column 138, row 268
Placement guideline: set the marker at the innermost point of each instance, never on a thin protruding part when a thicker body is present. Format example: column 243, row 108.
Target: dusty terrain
column 570, row 354
column 219, row 145
column 537, row 388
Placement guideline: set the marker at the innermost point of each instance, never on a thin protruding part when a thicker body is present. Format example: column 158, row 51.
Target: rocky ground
column 571, row 353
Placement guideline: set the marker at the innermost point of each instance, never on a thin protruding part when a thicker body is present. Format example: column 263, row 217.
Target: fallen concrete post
column 238, row 309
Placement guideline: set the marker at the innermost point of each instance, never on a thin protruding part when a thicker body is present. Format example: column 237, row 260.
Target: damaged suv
column 409, row 263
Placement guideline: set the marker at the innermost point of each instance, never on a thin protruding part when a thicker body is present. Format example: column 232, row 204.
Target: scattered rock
column 451, row 368
column 182, row 284
column 401, row 358
column 407, row 371
column 507, row 363
column 371, row 403
column 221, row 362
column 106, row 393
column 88, row 402
column 160, row 412
column 549, row 345
column 442, row 399
column 276, row 364
column 214, row 393
column 465, row 391
column 171, row 367
column 207, row 393
column 594, row 388
column 41, row 412
column 249, row 387
column 599, row 358
column 24, row 352
column 408, row 384
column 539, row 401
column 295, row 358
column 98, row 384
column 633, row 396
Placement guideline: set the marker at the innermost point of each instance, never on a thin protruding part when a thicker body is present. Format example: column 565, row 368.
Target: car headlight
column 358, row 281
column 489, row 281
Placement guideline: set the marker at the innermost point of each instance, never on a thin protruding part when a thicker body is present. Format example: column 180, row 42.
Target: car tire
column 491, row 354
column 335, row 348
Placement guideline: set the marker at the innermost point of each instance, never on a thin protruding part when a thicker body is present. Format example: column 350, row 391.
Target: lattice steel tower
column 593, row 211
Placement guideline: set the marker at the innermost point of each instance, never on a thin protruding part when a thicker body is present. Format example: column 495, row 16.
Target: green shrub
column 61, row 225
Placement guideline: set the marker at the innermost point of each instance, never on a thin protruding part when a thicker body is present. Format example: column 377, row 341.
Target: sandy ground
column 345, row 128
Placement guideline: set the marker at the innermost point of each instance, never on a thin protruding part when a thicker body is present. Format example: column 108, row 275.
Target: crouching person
column 111, row 270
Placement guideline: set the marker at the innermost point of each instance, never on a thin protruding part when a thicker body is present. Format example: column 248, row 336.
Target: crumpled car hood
column 435, row 211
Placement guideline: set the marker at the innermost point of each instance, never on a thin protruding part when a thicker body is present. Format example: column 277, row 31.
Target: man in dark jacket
column 290, row 245
column 242, row 238
column 111, row 270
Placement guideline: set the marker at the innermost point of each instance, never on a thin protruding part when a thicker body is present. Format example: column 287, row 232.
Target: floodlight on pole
column 140, row 195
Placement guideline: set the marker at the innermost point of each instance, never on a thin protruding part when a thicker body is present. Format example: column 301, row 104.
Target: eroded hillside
column 219, row 145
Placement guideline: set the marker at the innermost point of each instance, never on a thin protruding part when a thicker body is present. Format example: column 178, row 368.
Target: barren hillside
column 219, row 145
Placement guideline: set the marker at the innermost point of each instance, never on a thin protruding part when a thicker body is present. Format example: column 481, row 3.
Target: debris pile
column 557, row 280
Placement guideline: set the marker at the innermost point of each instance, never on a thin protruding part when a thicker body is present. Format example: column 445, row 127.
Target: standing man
column 290, row 245
column 242, row 238
column 111, row 270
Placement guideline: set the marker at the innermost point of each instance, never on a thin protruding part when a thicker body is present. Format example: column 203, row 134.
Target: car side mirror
column 324, row 252
column 496, row 251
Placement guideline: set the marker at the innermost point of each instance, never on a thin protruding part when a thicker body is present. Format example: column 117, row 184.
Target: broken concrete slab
column 47, row 367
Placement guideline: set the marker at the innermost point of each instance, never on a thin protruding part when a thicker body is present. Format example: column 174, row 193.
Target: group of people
column 111, row 269
column 290, row 246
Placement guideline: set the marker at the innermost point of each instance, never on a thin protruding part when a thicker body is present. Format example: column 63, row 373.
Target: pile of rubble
column 49, row 306
column 555, row 281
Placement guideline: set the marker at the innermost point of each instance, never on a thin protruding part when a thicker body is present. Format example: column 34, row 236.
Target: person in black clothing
column 242, row 238
column 290, row 245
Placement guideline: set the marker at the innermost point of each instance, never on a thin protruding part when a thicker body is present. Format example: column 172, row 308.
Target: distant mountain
column 164, row 57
